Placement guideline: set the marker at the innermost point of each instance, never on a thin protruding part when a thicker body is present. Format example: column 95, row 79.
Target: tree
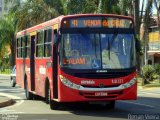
column 126, row 7
column 75, row 6
column 146, row 22
column 108, row 7
column 8, row 33
column 157, row 5
column 33, row 12
column 7, row 36
column 136, row 17
column 80, row 6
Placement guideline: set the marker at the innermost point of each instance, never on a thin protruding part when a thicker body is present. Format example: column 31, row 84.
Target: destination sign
column 97, row 22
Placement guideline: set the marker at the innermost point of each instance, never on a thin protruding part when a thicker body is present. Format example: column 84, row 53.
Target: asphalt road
column 146, row 107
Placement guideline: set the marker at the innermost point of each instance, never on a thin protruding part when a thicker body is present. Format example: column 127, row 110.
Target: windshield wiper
column 108, row 48
column 110, row 43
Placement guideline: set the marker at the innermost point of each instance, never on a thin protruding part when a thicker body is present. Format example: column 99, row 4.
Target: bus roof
column 40, row 26
column 109, row 15
column 60, row 18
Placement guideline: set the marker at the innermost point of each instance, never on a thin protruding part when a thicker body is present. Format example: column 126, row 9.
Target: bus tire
column 29, row 95
column 53, row 104
column 47, row 92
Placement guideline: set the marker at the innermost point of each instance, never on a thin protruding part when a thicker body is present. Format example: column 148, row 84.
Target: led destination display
column 97, row 22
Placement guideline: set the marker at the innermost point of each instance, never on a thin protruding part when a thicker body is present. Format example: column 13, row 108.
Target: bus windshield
column 97, row 51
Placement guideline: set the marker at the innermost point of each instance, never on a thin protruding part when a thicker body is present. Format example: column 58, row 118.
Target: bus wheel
column 29, row 95
column 47, row 93
column 53, row 104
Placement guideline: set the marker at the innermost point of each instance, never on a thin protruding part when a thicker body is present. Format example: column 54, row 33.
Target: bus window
column 81, row 51
column 47, row 43
column 39, row 46
column 23, row 47
column 28, row 46
column 117, row 52
column 19, row 48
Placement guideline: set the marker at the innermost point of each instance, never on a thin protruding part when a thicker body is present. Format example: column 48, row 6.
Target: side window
column 47, row 43
column 23, row 47
column 28, row 42
column 39, row 45
column 19, row 47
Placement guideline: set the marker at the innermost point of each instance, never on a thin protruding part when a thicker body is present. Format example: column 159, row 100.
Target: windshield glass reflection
column 97, row 51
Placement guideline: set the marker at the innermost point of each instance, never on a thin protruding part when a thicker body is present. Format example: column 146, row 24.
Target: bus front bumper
column 68, row 94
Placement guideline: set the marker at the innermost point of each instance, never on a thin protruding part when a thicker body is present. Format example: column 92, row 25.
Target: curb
column 147, row 88
column 4, row 77
column 7, row 103
column 11, row 101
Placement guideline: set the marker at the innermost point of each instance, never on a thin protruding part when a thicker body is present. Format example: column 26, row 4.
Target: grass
column 139, row 81
column 154, row 83
column 5, row 71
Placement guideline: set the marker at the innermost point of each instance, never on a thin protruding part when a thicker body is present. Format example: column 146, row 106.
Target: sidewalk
column 4, row 77
column 148, row 88
column 5, row 101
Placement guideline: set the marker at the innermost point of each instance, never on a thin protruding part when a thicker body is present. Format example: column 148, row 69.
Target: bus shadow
column 123, row 109
column 94, row 110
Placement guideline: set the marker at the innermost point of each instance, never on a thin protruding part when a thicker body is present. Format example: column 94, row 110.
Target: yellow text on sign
column 74, row 61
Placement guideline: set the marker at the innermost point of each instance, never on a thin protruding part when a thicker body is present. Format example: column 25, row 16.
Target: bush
column 157, row 71
column 148, row 74
column 4, row 70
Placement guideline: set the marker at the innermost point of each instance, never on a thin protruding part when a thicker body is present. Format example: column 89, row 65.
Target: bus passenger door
column 55, row 64
column 32, row 63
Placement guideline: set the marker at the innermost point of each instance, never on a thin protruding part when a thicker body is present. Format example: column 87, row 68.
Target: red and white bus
column 78, row 58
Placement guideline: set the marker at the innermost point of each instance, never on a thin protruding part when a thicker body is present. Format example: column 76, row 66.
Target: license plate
column 101, row 93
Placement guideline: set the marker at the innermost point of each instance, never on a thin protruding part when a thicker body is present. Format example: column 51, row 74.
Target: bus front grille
column 113, row 94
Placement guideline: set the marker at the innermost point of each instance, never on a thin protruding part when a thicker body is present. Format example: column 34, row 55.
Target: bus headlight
column 72, row 85
column 68, row 83
column 130, row 83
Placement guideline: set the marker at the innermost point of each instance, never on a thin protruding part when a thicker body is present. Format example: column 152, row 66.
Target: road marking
column 150, row 93
column 10, row 90
column 139, row 104
column 20, row 100
column 6, row 111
